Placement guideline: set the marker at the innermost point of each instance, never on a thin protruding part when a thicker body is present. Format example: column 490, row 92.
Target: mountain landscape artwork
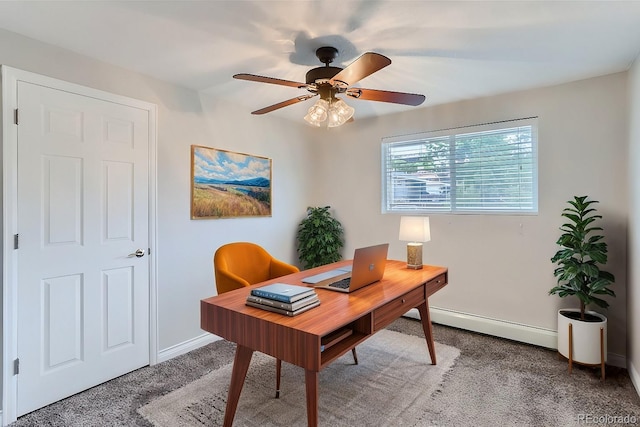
column 225, row 184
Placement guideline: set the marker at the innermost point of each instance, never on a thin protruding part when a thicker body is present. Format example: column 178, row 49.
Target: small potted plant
column 320, row 238
column 582, row 334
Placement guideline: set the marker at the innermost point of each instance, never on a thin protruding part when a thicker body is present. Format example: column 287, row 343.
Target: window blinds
column 475, row 169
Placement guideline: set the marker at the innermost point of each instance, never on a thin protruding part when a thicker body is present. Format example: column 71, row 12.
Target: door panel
column 62, row 191
column 83, row 302
column 118, row 201
column 62, row 322
column 117, row 285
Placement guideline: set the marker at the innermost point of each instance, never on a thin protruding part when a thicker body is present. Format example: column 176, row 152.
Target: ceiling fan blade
column 386, row 96
column 362, row 67
column 283, row 104
column 262, row 79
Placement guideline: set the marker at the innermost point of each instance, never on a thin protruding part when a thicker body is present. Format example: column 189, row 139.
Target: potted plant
column 320, row 238
column 582, row 334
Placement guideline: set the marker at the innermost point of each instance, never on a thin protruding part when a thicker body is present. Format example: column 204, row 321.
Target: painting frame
column 229, row 184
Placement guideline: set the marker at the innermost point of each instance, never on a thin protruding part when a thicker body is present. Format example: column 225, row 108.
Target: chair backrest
column 240, row 264
column 247, row 260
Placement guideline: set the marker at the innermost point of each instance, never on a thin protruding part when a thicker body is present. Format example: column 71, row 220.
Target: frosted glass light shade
column 317, row 113
column 339, row 113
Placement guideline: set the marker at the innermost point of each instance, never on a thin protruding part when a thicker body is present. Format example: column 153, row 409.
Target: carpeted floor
column 498, row 382
column 493, row 382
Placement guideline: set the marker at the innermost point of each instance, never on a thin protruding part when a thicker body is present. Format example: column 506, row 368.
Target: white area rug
column 392, row 385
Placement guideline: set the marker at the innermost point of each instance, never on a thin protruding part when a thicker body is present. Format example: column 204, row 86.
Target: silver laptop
column 367, row 268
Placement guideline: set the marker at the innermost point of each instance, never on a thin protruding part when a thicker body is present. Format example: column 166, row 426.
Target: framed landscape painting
column 225, row 184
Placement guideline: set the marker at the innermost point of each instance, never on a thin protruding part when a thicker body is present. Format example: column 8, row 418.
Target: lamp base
column 414, row 256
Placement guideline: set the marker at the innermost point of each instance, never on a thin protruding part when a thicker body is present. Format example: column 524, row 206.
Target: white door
column 83, row 301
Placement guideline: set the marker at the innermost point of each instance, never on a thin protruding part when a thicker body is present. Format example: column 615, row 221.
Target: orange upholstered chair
column 243, row 264
column 240, row 264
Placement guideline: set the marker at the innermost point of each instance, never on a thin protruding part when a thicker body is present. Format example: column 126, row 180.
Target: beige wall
column 500, row 264
column 633, row 301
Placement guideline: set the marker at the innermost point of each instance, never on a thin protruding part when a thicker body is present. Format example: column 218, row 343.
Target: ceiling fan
column 327, row 82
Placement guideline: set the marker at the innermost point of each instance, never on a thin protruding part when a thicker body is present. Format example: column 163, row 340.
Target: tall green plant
column 582, row 251
column 320, row 238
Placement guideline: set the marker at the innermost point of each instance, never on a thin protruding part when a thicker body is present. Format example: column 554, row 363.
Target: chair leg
column 355, row 356
column 278, row 370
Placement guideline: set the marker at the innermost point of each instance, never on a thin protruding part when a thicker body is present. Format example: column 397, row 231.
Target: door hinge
column 16, row 367
column 16, row 241
column 15, row 116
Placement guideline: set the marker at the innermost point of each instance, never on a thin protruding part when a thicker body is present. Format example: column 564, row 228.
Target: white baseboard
column 616, row 360
column 504, row 329
column 635, row 376
column 186, row 346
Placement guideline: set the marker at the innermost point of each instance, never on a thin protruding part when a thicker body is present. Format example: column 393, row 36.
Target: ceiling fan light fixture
column 339, row 113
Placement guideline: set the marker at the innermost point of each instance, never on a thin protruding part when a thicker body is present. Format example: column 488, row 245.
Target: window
column 475, row 169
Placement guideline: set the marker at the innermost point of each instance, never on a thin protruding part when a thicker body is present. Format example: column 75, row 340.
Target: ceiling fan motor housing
column 322, row 73
column 326, row 55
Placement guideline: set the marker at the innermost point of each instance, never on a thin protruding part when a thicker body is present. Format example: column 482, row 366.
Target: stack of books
column 283, row 298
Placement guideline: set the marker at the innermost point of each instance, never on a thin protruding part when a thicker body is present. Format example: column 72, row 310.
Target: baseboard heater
column 504, row 329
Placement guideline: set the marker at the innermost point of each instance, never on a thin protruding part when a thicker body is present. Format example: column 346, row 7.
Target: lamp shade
column 414, row 229
column 317, row 113
column 339, row 113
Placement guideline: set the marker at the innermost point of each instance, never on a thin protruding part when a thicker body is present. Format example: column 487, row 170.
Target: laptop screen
column 368, row 265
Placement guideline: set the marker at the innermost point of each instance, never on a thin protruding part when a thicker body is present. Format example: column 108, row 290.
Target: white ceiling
column 445, row 50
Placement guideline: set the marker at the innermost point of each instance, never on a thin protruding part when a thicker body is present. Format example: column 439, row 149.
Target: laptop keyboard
column 342, row 284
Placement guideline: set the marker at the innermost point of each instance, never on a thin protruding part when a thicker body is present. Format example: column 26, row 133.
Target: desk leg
column 428, row 329
column 239, row 373
column 311, row 381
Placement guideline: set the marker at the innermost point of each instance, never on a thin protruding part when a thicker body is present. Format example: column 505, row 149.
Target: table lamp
column 415, row 230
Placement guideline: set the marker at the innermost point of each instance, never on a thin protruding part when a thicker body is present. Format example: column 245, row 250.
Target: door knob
column 138, row 253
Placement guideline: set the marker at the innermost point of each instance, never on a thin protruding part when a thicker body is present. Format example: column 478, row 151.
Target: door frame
column 8, row 205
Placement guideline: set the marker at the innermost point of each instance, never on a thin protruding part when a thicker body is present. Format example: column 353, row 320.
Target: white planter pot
column 586, row 338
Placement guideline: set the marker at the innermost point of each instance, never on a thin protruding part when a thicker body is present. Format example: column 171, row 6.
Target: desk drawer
column 396, row 308
column 436, row 284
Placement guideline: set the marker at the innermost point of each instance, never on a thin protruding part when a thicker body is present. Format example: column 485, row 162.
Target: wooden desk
column 298, row 339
